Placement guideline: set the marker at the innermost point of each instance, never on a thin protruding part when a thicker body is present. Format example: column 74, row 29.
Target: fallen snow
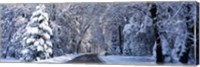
column 127, row 59
column 10, row 60
column 32, row 30
column 60, row 59
column 112, row 59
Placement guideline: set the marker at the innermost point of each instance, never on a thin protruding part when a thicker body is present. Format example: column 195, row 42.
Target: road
column 95, row 59
column 112, row 59
column 87, row 58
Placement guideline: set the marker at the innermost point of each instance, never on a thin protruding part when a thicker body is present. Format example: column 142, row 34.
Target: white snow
column 40, row 7
column 112, row 59
column 46, row 15
column 41, row 17
column 36, row 43
column 48, row 42
column 36, row 13
column 32, row 30
column 41, row 41
column 29, row 40
column 46, row 28
column 61, row 59
column 46, row 36
column 39, row 48
column 49, row 51
column 127, row 28
column 34, row 19
column 45, row 46
column 24, row 51
column 154, row 50
column 9, row 60
column 127, row 59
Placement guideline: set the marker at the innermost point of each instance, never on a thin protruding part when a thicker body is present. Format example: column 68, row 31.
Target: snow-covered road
column 111, row 59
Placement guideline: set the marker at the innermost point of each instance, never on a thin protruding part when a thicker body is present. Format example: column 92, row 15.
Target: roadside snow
column 9, row 60
column 112, row 59
column 61, row 59
column 127, row 60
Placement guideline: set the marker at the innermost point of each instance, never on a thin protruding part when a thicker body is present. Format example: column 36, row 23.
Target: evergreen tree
column 37, row 43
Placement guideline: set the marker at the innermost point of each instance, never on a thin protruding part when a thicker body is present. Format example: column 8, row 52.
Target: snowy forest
column 103, row 33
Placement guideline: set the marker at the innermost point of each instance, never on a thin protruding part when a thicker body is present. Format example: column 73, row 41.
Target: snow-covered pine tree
column 37, row 43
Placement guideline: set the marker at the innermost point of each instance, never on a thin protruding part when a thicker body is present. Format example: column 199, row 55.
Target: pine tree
column 37, row 41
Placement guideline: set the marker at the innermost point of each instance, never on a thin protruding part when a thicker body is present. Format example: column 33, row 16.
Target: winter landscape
column 142, row 33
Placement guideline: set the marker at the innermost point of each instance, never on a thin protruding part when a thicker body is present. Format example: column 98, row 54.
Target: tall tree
column 37, row 37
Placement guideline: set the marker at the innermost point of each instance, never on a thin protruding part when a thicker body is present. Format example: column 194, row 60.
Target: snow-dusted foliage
column 36, row 42
column 173, row 43
column 138, row 35
column 115, row 48
column 175, row 24
column 14, row 20
column 162, row 29
column 0, row 39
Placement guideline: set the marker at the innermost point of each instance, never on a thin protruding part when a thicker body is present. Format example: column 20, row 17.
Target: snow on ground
column 111, row 59
column 60, row 59
column 127, row 59
column 10, row 60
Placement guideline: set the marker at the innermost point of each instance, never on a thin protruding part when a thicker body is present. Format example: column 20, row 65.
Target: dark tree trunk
column 120, row 40
column 197, row 36
column 159, row 55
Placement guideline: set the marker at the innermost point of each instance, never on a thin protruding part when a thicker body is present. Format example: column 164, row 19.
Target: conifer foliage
column 37, row 43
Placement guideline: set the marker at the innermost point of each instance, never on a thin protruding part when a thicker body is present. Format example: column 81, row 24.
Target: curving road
column 87, row 58
column 100, row 59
